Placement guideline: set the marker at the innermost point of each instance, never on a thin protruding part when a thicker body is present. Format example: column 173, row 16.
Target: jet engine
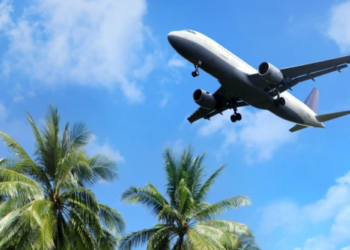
column 204, row 99
column 270, row 73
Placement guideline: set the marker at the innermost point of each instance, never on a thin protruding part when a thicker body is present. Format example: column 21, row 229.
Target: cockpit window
column 191, row 31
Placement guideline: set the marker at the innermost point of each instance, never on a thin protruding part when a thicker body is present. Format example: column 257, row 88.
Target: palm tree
column 186, row 221
column 46, row 203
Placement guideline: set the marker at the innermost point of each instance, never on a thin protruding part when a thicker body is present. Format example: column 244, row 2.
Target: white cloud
column 3, row 112
column 279, row 211
column 339, row 25
column 336, row 197
column 319, row 243
column 334, row 207
column 165, row 98
column 176, row 146
column 5, row 13
column 95, row 147
column 260, row 133
column 176, row 61
column 87, row 42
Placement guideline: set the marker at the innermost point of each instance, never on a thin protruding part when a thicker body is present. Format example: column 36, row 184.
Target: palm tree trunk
column 181, row 242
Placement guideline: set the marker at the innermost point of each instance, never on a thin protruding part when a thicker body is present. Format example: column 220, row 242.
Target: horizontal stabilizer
column 331, row 116
column 297, row 127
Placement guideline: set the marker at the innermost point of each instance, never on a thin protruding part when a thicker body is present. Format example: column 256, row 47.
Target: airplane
column 242, row 85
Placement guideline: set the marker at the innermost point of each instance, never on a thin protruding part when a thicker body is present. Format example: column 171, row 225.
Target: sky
column 109, row 63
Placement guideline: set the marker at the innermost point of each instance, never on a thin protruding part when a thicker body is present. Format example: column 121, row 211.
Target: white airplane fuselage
column 232, row 73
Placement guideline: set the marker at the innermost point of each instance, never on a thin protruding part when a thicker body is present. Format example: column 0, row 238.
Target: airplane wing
column 305, row 72
column 223, row 98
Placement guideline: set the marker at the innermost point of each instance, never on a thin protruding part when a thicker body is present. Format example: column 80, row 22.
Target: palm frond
column 112, row 219
column 16, row 148
column 103, row 169
column 75, row 162
column 80, row 229
column 79, row 135
column 231, row 227
column 202, row 241
column 147, row 195
column 39, row 140
column 83, row 196
column 184, row 198
column 65, row 143
column 50, row 155
column 135, row 239
column 225, row 239
column 220, row 207
column 89, row 218
column 195, row 172
column 169, row 215
column 160, row 240
column 108, row 241
column 206, row 186
column 171, row 168
column 22, row 189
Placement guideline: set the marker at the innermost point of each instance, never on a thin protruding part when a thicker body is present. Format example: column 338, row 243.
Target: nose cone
column 174, row 38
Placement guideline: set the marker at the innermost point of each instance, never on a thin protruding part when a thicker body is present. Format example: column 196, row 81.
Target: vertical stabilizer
column 312, row 100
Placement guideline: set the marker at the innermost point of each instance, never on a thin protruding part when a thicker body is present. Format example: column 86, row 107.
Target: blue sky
column 109, row 64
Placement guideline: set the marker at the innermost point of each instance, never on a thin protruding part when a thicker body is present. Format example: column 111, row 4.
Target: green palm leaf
column 206, row 186
column 185, row 219
column 135, row 239
column 220, row 207
column 112, row 219
column 44, row 203
column 147, row 195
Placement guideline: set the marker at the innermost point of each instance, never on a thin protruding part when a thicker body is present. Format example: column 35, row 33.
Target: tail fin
column 331, row 116
column 312, row 100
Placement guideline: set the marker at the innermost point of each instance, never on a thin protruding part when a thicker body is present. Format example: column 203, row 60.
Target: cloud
column 278, row 212
column 165, row 99
column 176, row 61
column 260, row 133
column 98, row 43
column 3, row 112
column 336, row 197
column 176, row 146
column 107, row 149
column 319, row 243
column 334, row 207
column 339, row 25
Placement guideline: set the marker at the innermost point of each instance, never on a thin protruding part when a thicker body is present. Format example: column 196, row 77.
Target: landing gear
column 279, row 101
column 196, row 72
column 282, row 101
column 236, row 116
column 233, row 118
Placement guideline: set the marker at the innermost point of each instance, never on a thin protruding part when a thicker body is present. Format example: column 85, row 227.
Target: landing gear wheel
column 276, row 103
column 233, row 118
column 282, row 101
column 195, row 73
column 238, row 116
